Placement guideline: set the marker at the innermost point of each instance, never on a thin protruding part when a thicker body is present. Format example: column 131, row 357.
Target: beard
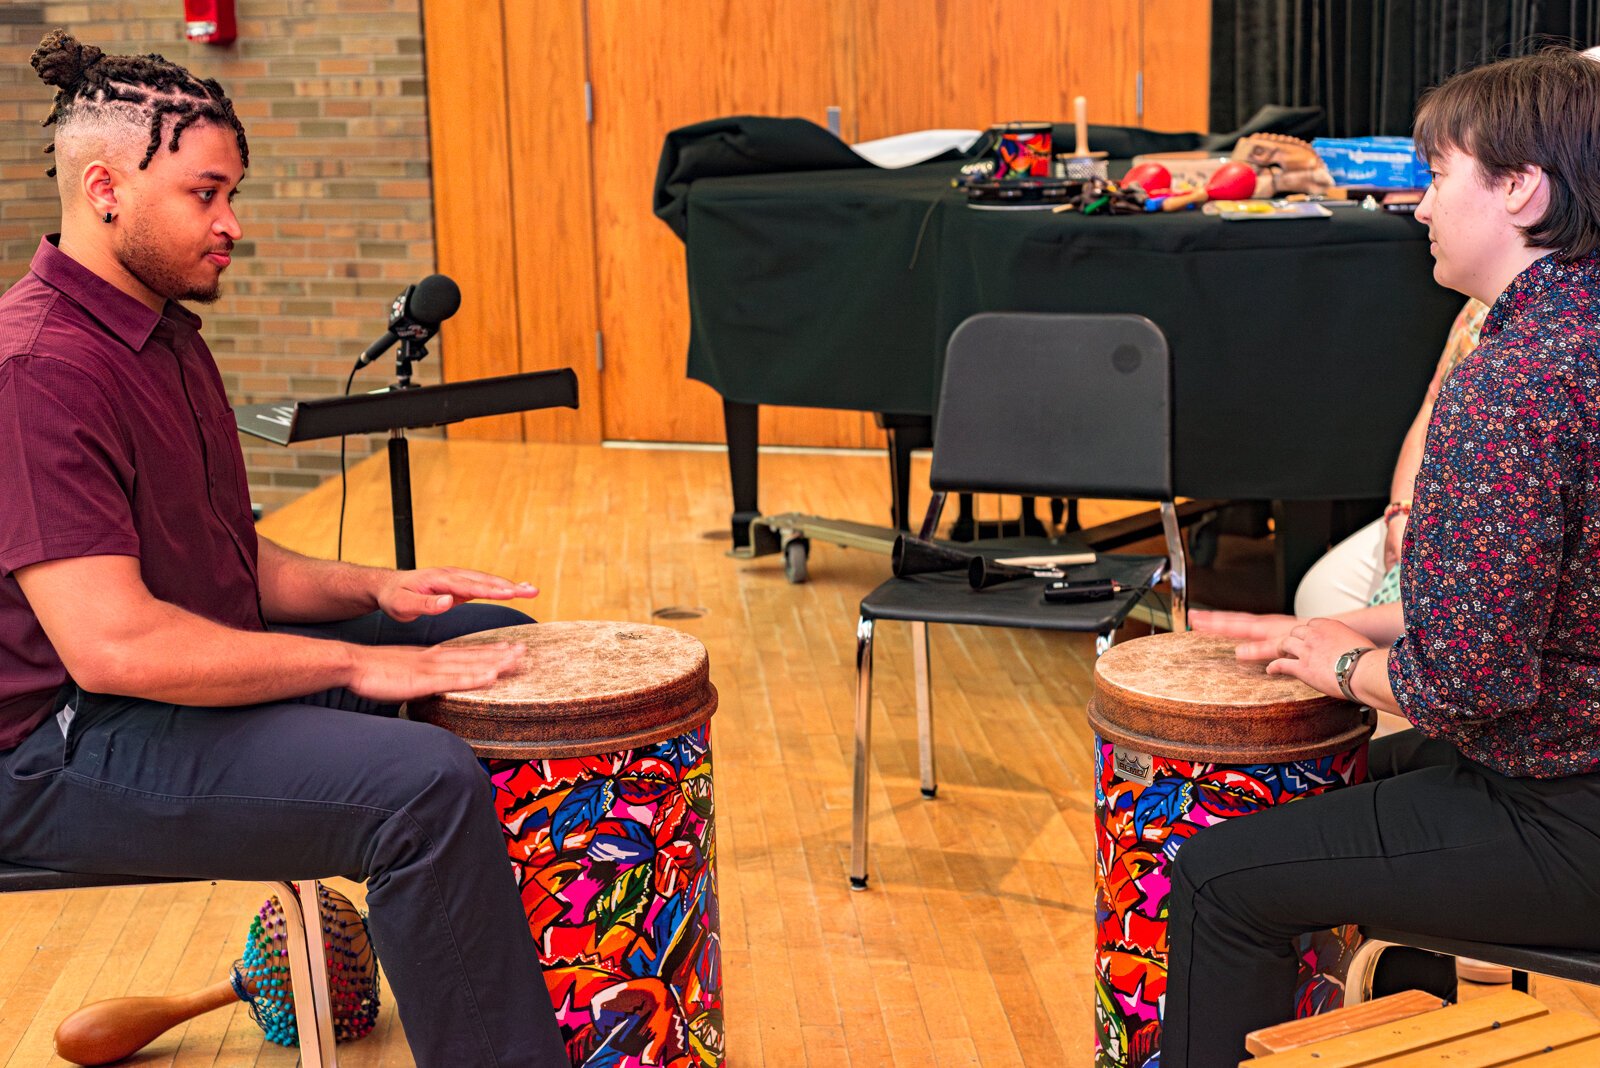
column 161, row 270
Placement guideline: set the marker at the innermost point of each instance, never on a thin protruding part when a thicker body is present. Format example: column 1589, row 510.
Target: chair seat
column 16, row 878
column 1578, row 965
column 946, row 597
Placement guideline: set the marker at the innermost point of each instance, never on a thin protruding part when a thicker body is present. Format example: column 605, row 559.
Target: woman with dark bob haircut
column 1481, row 822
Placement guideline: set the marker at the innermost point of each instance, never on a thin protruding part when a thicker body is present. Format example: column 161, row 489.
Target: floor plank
column 973, row 945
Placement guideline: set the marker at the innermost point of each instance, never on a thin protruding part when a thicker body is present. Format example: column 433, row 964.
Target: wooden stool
column 1414, row 1029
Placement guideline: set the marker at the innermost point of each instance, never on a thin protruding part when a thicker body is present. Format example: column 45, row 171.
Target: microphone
column 416, row 314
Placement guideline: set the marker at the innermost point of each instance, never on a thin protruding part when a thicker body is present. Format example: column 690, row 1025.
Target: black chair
column 307, row 962
column 1033, row 405
column 1578, row 965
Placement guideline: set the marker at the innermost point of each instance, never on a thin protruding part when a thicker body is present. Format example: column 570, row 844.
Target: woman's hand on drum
column 394, row 673
column 1259, row 634
column 1311, row 649
column 406, row 595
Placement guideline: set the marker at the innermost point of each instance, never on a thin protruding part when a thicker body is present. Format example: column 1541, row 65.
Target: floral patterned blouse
column 1462, row 339
column 1501, row 562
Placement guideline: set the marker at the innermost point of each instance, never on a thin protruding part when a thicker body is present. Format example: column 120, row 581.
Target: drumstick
column 108, row 1031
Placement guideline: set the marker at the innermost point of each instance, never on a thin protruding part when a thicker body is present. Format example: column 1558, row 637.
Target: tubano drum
column 599, row 750
column 1186, row 736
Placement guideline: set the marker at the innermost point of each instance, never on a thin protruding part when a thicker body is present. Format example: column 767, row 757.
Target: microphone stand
column 405, row 549
column 403, row 405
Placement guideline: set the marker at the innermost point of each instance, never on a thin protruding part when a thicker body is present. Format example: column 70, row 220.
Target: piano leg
column 742, row 424
column 906, row 433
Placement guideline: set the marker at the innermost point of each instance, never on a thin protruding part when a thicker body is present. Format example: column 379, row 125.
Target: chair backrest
column 1056, row 406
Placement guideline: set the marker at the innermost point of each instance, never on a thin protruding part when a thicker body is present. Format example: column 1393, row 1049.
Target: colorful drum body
column 1187, row 737
column 599, row 749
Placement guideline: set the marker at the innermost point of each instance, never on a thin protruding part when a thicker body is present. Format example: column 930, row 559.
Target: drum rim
column 493, row 749
column 1266, row 753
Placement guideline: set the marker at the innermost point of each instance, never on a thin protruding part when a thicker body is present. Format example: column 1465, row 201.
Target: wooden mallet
column 1083, row 165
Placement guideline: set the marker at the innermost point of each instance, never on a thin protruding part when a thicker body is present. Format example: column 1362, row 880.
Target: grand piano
column 1301, row 348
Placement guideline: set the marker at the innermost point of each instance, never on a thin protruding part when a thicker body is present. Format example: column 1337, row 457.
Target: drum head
column 1186, row 696
column 582, row 688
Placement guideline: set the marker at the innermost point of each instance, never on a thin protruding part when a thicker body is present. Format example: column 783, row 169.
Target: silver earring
column 107, row 217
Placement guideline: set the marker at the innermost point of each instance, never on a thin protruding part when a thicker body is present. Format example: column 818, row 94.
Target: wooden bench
column 307, row 963
column 1417, row 1030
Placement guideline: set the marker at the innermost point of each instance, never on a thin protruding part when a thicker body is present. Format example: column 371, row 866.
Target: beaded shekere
column 261, row 978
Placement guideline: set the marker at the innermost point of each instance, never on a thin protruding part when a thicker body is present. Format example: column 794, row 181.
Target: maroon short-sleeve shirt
column 116, row 438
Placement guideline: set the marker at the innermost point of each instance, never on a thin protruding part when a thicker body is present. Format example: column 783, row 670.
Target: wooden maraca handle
column 1179, row 201
column 108, row 1031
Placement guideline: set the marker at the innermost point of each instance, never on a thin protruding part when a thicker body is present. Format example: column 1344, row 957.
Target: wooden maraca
column 108, row 1031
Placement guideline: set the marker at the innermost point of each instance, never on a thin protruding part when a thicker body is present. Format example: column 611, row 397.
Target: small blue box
column 1382, row 162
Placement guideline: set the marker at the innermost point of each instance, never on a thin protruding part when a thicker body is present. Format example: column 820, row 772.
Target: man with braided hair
column 156, row 654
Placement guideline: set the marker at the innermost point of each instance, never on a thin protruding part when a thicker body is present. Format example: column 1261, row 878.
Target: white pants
column 1346, row 577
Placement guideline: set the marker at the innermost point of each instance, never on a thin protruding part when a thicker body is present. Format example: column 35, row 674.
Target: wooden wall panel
column 545, row 258
column 472, row 204
column 973, row 63
column 656, row 67
column 552, row 208
column 1177, row 63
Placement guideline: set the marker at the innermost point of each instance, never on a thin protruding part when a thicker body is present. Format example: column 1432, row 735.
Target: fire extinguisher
column 209, row 21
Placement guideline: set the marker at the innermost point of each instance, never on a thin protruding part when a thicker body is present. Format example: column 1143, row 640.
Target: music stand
column 405, row 407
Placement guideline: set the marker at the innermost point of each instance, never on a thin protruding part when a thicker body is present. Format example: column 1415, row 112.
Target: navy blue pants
column 328, row 785
column 1434, row 844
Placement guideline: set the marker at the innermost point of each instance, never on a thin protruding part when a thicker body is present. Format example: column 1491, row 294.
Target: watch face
column 1344, row 667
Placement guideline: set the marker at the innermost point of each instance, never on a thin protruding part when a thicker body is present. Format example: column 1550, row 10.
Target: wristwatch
column 1345, row 667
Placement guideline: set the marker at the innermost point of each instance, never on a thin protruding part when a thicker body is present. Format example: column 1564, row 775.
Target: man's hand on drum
column 395, row 673
column 406, row 595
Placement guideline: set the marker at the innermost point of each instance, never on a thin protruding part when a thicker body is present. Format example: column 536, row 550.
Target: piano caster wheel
column 795, row 555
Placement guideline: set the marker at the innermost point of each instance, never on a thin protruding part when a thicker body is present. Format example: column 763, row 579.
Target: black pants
column 310, row 789
column 1435, row 844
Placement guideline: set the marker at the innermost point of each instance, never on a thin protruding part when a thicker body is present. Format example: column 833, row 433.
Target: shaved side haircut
column 118, row 103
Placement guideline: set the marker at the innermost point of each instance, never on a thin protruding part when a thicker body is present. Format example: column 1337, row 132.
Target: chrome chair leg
column 1177, row 567
column 924, row 672
column 858, row 815
column 308, row 972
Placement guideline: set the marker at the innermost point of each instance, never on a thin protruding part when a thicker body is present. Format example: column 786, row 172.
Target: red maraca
column 1153, row 178
column 1231, row 181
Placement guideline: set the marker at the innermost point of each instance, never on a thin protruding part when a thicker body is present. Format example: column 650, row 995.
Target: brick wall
column 336, row 206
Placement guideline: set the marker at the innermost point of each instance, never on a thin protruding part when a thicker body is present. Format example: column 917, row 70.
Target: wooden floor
column 973, row 946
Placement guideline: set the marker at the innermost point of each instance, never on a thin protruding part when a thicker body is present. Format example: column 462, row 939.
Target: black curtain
column 1365, row 62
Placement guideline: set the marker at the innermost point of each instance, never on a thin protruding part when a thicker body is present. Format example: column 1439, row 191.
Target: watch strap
column 1344, row 671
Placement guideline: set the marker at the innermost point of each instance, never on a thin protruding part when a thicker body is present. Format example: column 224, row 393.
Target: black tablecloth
column 1301, row 349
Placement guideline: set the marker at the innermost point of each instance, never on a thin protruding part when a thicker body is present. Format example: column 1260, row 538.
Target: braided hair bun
column 61, row 59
